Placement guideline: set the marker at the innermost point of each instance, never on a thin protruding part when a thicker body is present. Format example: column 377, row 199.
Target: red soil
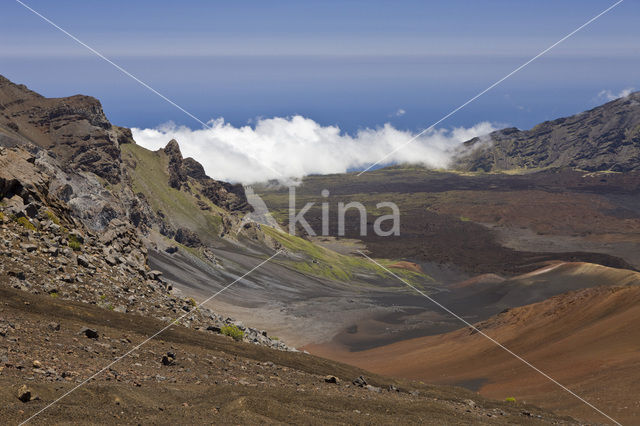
column 588, row 340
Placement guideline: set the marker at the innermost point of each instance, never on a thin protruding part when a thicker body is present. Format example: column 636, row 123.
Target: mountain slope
column 604, row 138
column 212, row 380
column 586, row 339
column 74, row 128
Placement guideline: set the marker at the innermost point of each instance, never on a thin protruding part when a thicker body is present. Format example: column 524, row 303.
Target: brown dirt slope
column 588, row 340
column 213, row 378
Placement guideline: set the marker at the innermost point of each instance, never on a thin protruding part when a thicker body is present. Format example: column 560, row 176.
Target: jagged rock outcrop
column 604, row 138
column 45, row 249
column 187, row 237
column 223, row 194
column 177, row 177
column 74, row 129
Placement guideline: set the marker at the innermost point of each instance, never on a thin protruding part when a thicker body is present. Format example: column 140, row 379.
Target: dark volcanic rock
column 176, row 175
column 91, row 334
column 222, row 194
column 193, row 169
column 187, row 237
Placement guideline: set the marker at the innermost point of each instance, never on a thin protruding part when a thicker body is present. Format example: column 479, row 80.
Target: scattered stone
column 154, row 275
column 91, row 334
column 31, row 210
column 54, row 326
column 37, row 364
column 25, row 394
column 332, row 379
column 169, row 359
column 373, row 388
column 18, row 274
column 359, row 381
column 83, row 261
column 29, row 247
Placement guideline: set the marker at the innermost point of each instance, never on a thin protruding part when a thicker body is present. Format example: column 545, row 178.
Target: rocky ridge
column 606, row 138
column 46, row 250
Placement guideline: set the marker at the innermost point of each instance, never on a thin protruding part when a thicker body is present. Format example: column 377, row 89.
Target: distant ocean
column 350, row 92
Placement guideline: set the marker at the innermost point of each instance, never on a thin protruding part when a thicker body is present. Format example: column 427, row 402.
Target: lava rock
column 89, row 333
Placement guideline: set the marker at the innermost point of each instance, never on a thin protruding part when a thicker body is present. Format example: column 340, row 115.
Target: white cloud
column 400, row 112
column 296, row 146
column 610, row 96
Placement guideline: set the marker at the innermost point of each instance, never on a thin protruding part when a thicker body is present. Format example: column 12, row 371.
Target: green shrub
column 233, row 331
column 191, row 301
column 53, row 217
column 74, row 243
column 510, row 399
column 25, row 223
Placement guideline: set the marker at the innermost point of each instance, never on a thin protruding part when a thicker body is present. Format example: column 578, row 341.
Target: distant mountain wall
column 604, row 138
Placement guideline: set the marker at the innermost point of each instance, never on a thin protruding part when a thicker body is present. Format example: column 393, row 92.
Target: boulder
column 90, row 333
column 332, row 379
column 25, row 394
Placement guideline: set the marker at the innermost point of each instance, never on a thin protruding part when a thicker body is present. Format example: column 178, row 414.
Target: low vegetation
column 150, row 177
column 24, row 222
column 52, row 217
column 232, row 331
column 319, row 261
column 75, row 243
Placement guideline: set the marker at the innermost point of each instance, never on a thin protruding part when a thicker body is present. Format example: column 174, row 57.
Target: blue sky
column 351, row 64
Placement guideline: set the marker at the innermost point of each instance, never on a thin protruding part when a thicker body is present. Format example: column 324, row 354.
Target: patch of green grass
column 465, row 219
column 510, row 399
column 52, row 217
column 104, row 296
column 232, row 331
column 24, row 222
column 322, row 262
column 54, row 294
column 150, row 177
column 110, row 307
column 74, row 243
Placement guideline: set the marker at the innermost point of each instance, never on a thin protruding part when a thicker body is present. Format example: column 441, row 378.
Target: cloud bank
column 293, row 147
column 610, row 96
